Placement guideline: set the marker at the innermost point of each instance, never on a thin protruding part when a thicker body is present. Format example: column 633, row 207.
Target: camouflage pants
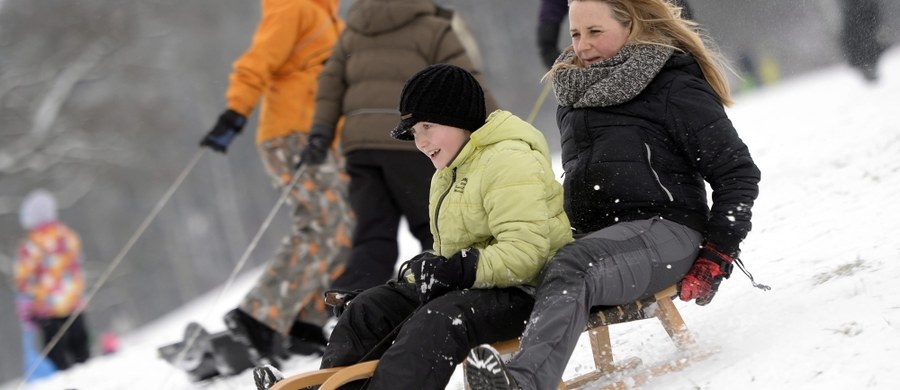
column 314, row 253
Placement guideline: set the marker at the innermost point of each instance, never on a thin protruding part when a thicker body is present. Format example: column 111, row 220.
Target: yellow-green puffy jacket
column 499, row 195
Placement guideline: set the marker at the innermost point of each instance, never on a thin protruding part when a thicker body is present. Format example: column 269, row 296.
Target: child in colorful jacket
column 48, row 279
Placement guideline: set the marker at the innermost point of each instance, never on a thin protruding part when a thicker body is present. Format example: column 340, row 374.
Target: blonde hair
column 657, row 22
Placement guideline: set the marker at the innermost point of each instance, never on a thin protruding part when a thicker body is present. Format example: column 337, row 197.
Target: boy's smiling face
column 439, row 142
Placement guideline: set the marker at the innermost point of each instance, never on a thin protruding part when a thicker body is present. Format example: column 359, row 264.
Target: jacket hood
column 684, row 63
column 38, row 208
column 503, row 126
column 373, row 17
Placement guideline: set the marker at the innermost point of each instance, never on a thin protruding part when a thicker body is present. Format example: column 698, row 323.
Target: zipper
column 655, row 175
column 437, row 209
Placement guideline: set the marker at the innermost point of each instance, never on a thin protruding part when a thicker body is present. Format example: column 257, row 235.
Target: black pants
column 433, row 339
column 384, row 186
column 859, row 38
column 72, row 348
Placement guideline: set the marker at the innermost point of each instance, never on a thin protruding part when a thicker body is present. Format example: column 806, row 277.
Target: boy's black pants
column 434, row 338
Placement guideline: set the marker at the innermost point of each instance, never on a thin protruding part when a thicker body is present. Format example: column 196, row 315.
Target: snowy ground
column 829, row 148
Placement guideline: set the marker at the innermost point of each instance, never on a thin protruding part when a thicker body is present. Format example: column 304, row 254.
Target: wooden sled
column 332, row 378
column 623, row 374
column 627, row 373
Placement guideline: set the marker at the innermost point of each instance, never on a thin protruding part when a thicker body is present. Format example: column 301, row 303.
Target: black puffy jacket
column 650, row 156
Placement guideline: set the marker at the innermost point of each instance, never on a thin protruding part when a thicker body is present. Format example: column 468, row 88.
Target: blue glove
column 437, row 275
column 228, row 126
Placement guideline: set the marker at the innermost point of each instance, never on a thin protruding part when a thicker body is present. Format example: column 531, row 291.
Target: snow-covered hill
column 825, row 238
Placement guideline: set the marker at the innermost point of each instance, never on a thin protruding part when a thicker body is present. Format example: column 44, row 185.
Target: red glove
column 703, row 279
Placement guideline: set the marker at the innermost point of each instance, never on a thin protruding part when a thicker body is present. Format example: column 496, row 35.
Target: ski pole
column 538, row 103
column 192, row 338
column 115, row 263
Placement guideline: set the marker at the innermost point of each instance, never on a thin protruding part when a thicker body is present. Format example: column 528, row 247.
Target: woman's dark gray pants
column 613, row 266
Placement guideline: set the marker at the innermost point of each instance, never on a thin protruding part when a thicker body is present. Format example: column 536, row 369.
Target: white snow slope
column 824, row 237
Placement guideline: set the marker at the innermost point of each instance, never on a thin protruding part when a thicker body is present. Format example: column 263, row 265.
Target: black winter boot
column 194, row 354
column 485, row 370
column 266, row 376
column 307, row 339
column 263, row 343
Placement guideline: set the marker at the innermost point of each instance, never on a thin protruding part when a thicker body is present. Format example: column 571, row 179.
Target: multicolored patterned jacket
column 48, row 271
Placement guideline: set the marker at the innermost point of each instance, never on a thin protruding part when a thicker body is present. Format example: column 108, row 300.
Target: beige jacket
column 384, row 44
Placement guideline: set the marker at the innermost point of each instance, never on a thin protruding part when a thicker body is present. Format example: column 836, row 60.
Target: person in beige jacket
column 385, row 42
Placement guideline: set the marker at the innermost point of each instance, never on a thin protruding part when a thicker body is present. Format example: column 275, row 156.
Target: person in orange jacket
column 49, row 281
column 289, row 48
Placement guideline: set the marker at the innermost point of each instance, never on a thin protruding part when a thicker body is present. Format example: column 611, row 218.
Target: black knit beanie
column 443, row 94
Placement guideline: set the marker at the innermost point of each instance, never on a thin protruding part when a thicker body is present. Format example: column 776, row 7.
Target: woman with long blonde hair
column 643, row 129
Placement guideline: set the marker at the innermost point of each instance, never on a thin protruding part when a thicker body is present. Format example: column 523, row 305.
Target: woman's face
column 439, row 142
column 595, row 34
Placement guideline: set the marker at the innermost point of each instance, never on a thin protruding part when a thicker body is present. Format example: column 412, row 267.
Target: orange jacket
column 289, row 48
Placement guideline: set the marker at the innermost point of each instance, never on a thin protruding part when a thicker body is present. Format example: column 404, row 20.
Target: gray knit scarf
column 611, row 81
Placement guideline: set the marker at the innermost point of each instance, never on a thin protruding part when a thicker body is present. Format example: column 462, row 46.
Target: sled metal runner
column 613, row 375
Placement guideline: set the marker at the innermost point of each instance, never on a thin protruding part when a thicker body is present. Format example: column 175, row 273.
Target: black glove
column 438, row 275
column 316, row 150
column 547, row 39
column 228, row 126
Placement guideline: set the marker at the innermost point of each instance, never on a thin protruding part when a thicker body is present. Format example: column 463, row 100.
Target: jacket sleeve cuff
column 469, row 262
column 728, row 247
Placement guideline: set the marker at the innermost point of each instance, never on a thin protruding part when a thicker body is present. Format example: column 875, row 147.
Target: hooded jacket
column 288, row 50
column 499, row 195
column 385, row 43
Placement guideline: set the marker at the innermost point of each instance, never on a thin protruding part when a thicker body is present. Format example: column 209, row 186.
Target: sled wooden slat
column 349, row 374
column 332, row 378
column 306, row 379
column 508, row 346
column 593, row 376
column 629, row 372
column 642, row 376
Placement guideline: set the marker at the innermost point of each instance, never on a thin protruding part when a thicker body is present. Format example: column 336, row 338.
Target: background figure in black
column 550, row 19
column 859, row 36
